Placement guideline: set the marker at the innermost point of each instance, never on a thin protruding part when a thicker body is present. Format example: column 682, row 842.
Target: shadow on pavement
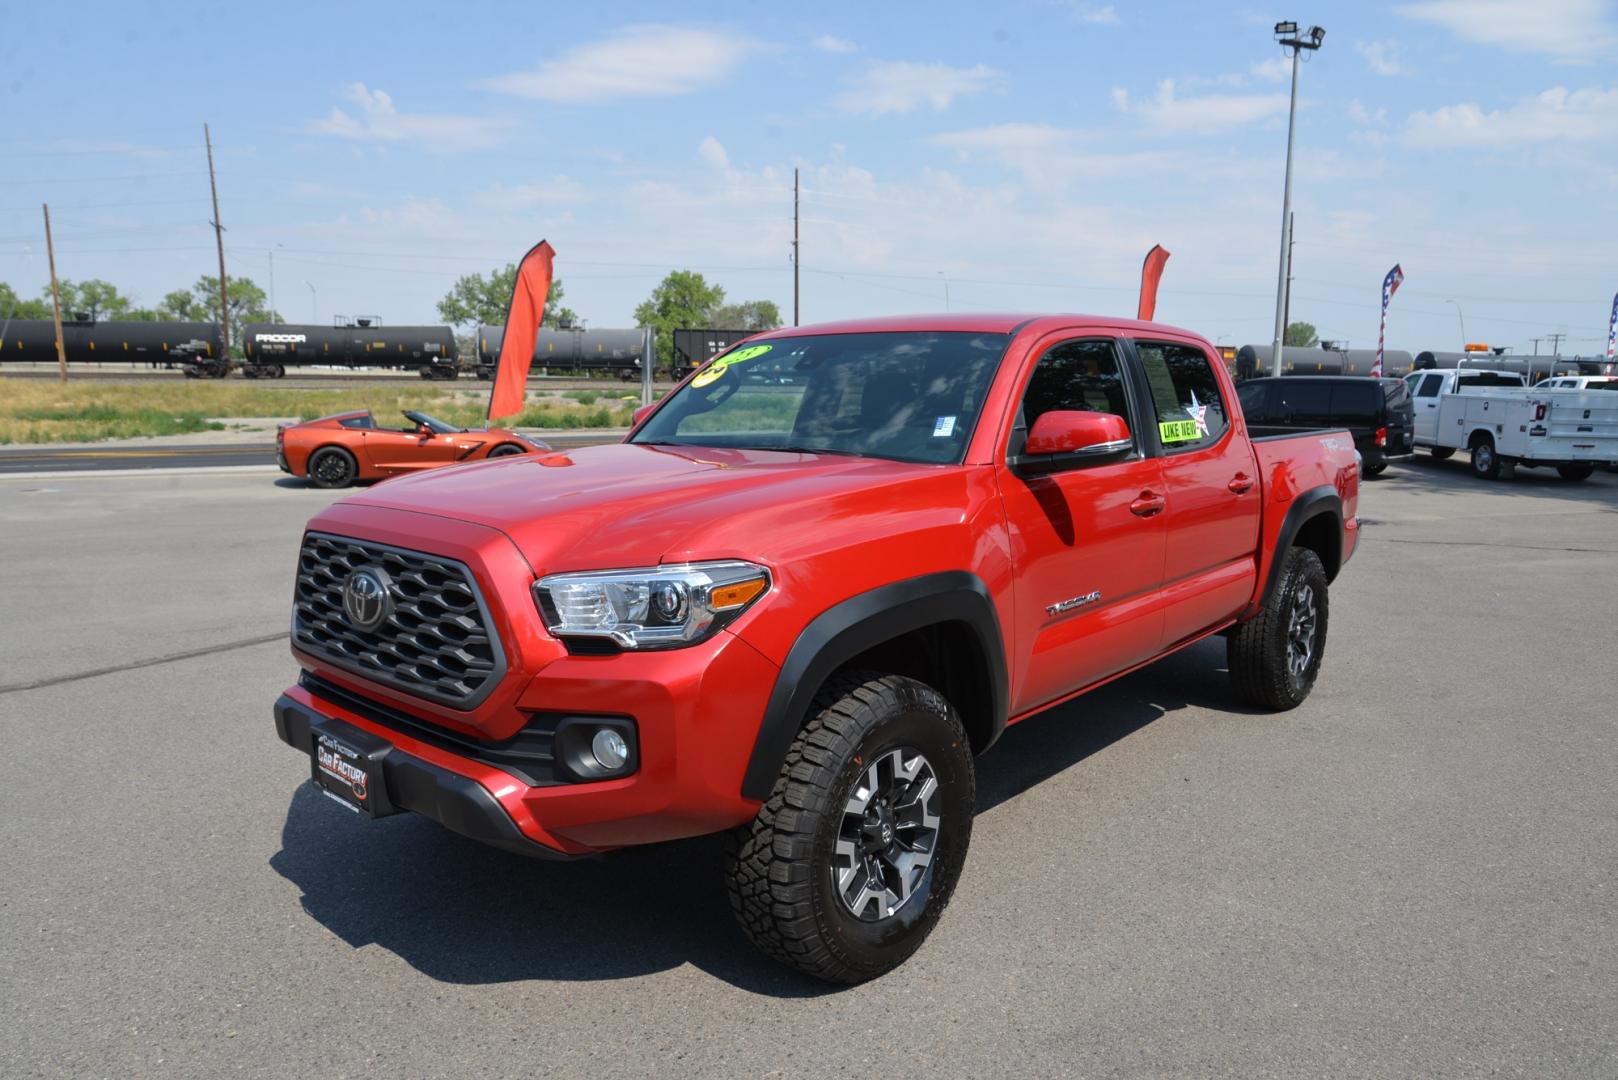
column 1443, row 480
column 463, row 913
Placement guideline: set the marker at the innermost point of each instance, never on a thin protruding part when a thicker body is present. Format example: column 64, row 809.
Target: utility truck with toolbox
column 809, row 586
column 1503, row 424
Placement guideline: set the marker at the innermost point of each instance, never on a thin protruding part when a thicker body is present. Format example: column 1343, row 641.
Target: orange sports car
column 338, row 450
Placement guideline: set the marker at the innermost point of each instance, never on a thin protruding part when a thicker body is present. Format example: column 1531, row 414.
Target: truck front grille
column 438, row 642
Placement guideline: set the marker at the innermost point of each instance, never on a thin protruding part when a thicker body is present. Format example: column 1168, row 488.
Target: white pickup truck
column 1503, row 424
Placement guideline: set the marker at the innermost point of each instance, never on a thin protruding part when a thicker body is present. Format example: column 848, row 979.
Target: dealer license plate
column 345, row 774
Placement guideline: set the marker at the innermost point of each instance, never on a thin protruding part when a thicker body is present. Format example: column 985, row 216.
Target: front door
column 1426, row 400
column 1087, row 541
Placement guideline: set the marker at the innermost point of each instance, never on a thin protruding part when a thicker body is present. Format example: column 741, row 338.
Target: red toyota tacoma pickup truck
column 810, row 585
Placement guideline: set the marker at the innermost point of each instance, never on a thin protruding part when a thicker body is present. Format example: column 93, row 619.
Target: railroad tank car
column 1253, row 361
column 695, row 346
column 1535, row 368
column 110, row 341
column 270, row 348
column 569, row 349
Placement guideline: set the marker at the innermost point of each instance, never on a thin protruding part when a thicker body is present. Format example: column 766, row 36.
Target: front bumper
column 459, row 804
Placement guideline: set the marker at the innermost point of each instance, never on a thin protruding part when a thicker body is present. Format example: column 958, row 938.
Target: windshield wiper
column 806, row 450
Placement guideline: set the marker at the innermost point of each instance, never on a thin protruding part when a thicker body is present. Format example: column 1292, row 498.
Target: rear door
column 1398, row 416
column 1087, row 541
column 1211, row 513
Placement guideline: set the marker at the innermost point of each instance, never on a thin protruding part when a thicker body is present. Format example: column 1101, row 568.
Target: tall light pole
column 1286, row 33
column 314, row 304
column 1462, row 317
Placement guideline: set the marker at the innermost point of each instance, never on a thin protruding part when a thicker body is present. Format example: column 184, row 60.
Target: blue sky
column 1021, row 156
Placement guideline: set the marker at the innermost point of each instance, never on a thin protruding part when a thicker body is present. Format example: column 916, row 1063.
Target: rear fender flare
column 856, row 625
column 1314, row 503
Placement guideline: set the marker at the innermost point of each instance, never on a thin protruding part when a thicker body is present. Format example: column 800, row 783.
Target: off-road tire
column 1575, row 472
column 1257, row 651
column 332, row 467
column 780, row 867
column 1443, row 453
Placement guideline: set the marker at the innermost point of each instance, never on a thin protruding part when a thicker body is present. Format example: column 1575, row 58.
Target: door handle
column 1147, row 504
column 1240, row 484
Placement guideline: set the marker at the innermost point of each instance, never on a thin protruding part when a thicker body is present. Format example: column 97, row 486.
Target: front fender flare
column 857, row 624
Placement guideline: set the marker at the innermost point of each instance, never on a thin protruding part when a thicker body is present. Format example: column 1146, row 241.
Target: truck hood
column 623, row 504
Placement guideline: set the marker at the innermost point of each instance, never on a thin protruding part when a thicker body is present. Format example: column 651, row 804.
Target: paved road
column 1413, row 874
column 91, row 459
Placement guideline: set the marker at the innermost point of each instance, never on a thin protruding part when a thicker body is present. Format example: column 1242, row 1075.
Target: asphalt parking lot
column 1413, row 874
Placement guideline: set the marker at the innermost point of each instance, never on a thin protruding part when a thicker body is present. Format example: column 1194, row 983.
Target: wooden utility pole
column 219, row 237
column 794, row 247
column 56, row 296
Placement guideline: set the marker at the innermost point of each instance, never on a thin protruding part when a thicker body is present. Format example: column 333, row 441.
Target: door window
column 1429, row 386
column 1305, row 403
column 1354, row 404
column 1185, row 393
column 1078, row 376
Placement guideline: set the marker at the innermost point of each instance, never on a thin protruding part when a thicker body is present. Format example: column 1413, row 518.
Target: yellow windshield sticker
column 1178, row 431
column 722, row 365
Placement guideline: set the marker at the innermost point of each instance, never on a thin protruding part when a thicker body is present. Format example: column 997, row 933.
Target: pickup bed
column 810, row 585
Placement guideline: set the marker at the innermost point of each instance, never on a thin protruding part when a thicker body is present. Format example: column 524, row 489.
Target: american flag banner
column 1390, row 285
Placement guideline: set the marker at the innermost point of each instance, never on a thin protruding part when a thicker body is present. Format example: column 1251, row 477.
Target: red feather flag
column 1151, row 272
column 523, row 318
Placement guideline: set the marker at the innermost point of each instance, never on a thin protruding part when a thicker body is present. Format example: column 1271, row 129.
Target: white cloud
column 1275, row 69
column 1556, row 115
column 901, row 86
column 556, row 191
column 379, row 120
column 1100, row 16
column 1381, row 56
column 712, row 151
column 1358, row 113
column 833, row 44
column 1004, row 138
column 637, row 61
column 1199, row 115
column 1565, row 29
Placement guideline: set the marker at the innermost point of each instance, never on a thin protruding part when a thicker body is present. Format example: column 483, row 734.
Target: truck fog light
column 610, row 749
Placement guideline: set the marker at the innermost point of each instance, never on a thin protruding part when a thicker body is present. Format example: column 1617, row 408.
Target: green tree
column 96, row 298
column 475, row 299
column 1300, row 333
column 183, row 306
column 13, row 306
column 684, row 298
column 748, row 315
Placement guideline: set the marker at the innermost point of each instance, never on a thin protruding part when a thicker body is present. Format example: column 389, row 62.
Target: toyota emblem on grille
column 367, row 598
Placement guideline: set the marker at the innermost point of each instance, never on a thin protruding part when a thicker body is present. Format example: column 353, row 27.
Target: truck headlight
column 659, row 607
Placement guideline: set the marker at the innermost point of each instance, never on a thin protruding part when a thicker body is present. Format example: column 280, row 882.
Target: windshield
column 901, row 396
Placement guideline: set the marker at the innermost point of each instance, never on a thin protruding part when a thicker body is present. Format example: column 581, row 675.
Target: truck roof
column 983, row 323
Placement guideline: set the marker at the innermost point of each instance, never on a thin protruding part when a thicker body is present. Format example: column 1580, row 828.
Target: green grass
column 36, row 411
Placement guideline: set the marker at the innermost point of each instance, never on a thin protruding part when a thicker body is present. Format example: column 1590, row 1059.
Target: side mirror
column 640, row 414
column 1062, row 438
column 424, row 431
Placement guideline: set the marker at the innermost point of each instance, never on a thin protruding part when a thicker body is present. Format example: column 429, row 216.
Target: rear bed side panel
column 1303, row 477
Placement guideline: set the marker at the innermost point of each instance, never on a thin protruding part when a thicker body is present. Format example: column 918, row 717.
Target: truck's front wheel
column 1274, row 658
column 852, row 859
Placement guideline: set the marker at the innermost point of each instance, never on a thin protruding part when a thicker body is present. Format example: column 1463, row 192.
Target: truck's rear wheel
column 1485, row 462
column 1275, row 658
column 1575, row 472
column 1443, row 453
column 852, row 859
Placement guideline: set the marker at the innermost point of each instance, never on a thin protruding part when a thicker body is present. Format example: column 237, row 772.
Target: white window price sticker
column 943, row 427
